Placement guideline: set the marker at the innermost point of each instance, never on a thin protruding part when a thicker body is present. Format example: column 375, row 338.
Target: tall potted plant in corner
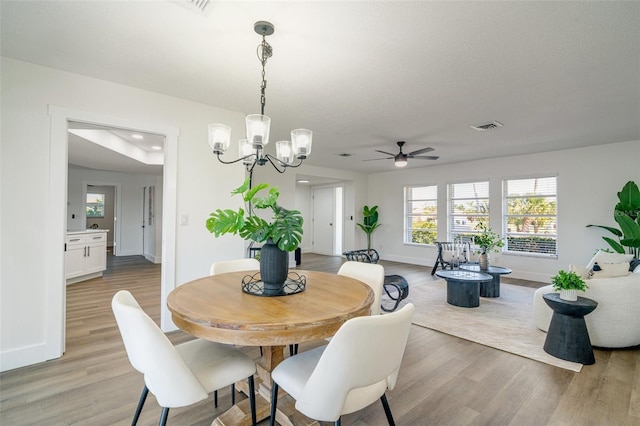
column 627, row 214
column 568, row 284
column 370, row 222
column 488, row 241
column 283, row 234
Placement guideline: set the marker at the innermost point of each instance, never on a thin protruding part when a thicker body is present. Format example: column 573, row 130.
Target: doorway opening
column 58, row 211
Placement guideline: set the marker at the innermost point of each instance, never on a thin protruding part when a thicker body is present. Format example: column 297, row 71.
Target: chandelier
column 251, row 150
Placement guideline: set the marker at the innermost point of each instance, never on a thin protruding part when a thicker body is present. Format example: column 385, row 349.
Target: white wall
column 130, row 208
column 202, row 185
column 588, row 181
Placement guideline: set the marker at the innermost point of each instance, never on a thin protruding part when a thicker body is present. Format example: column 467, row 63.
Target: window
column 95, row 205
column 468, row 206
column 421, row 210
column 530, row 215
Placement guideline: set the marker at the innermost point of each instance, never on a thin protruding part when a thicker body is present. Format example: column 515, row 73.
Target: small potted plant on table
column 568, row 284
column 488, row 241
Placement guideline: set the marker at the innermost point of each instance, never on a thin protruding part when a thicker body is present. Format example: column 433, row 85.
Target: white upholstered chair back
column 360, row 363
column 370, row 274
column 224, row 266
column 152, row 354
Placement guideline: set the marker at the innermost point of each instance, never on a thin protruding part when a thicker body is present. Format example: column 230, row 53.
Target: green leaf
column 614, row 231
column 225, row 222
column 614, row 245
column 629, row 200
column 256, row 229
column 242, row 188
column 269, row 200
column 248, row 197
column 630, row 229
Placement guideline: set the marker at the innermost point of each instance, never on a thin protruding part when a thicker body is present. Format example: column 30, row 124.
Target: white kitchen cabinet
column 85, row 255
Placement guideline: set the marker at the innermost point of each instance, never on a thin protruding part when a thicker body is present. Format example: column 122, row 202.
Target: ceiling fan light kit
column 251, row 150
column 401, row 159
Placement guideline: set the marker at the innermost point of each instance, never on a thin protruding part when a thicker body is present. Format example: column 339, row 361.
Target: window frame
column 506, row 233
column 409, row 214
column 452, row 230
column 96, row 204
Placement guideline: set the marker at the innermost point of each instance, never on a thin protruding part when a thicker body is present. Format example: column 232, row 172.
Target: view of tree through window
column 95, row 205
column 468, row 206
column 530, row 215
column 421, row 209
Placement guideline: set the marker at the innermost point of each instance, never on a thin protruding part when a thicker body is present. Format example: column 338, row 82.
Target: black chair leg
column 337, row 423
column 252, row 400
column 293, row 349
column 274, row 404
column 387, row 410
column 233, row 394
column 143, row 398
column 164, row 416
column 215, row 398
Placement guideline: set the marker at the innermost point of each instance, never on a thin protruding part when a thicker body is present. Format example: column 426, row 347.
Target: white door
column 323, row 220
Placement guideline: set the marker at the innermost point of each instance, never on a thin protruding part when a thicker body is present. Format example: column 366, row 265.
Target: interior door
column 323, row 221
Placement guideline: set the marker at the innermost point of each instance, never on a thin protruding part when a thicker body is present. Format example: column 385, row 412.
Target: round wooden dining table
column 215, row 308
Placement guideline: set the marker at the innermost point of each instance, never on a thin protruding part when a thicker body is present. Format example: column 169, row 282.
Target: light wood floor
column 443, row 381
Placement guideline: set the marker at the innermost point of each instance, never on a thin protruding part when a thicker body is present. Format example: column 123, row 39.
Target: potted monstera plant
column 280, row 235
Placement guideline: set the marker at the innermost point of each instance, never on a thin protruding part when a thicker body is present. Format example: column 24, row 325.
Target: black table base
column 568, row 337
column 465, row 294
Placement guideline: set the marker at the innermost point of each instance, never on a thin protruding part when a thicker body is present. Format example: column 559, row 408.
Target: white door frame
column 55, row 219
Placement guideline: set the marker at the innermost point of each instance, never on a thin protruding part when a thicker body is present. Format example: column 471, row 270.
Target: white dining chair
column 354, row 370
column 224, row 266
column 369, row 273
column 179, row 375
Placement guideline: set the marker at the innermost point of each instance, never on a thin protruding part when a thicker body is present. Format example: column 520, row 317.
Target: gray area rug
column 504, row 323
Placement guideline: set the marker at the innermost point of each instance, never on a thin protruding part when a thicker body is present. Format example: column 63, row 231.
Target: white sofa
column 615, row 323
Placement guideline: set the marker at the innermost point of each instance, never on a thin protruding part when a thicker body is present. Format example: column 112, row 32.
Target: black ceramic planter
column 274, row 265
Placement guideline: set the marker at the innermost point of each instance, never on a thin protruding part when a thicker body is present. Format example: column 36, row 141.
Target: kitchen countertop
column 87, row 231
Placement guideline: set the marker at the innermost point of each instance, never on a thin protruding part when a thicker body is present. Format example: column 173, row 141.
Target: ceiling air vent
column 487, row 126
column 202, row 7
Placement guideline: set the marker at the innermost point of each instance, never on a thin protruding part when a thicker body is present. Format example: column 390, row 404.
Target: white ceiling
column 363, row 75
column 87, row 151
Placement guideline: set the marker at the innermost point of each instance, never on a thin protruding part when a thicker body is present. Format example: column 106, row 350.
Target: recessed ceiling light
column 137, row 136
column 303, row 181
column 156, row 147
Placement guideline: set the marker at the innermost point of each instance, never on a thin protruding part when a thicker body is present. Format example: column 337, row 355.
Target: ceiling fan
column 400, row 159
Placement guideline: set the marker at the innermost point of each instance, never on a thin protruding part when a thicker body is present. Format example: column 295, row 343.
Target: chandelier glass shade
column 251, row 150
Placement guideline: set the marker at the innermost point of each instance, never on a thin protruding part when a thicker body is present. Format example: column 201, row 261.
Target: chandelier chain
column 264, row 51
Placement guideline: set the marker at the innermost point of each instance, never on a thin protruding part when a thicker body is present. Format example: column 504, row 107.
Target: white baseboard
column 151, row 258
column 22, row 357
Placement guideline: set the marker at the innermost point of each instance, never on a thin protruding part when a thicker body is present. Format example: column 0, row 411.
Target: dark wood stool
column 568, row 337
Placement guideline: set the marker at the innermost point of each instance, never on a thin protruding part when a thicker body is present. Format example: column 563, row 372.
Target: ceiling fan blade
column 387, row 153
column 420, row 151
column 375, row 159
column 426, row 157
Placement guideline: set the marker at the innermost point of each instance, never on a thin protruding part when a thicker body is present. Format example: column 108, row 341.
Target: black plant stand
column 568, row 337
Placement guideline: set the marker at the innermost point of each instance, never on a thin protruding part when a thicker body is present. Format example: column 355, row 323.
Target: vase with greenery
column 370, row 222
column 488, row 241
column 626, row 213
column 281, row 235
column 568, row 284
